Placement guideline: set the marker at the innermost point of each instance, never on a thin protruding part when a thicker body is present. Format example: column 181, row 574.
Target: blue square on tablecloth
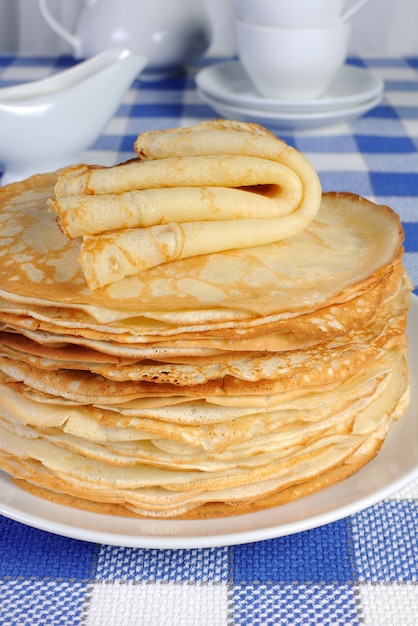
column 287, row 605
column 394, row 183
column 205, row 565
column 65, row 61
column 411, row 237
column 28, row 552
column 154, row 109
column 108, row 143
column 384, row 145
column 41, row 603
column 353, row 60
column 385, row 542
column 179, row 83
column 6, row 59
column 127, row 144
column 319, row 556
column 382, row 111
column 412, row 61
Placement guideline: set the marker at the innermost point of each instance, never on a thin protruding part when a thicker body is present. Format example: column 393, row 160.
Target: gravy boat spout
column 47, row 124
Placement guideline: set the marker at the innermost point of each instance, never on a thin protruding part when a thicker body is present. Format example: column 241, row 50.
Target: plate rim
column 171, row 539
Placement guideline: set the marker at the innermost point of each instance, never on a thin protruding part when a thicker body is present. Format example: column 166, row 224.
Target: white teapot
column 170, row 33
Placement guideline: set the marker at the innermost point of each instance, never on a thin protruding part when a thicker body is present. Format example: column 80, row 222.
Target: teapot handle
column 73, row 40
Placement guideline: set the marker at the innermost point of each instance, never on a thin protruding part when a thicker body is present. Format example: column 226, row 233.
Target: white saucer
column 227, row 81
column 289, row 120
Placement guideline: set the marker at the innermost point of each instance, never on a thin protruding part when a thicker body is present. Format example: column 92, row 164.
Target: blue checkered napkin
column 361, row 570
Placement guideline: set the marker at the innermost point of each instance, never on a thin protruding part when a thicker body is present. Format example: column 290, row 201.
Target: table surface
column 361, row 569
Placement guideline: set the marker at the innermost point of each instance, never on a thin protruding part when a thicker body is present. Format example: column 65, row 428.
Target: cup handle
column 71, row 39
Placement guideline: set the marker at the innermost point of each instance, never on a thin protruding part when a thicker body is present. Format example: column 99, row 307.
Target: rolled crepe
column 209, row 188
column 216, row 186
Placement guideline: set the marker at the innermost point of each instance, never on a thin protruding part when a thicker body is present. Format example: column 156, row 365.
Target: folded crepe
column 213, row 187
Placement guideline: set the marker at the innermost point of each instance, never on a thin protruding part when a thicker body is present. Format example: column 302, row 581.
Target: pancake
column 220, row 382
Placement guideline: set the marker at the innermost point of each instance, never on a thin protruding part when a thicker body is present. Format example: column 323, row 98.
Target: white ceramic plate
column 228, row 82
column 289, row 120
column 395, row 466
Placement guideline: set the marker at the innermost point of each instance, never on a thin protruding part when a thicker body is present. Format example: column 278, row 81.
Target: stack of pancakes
column 201, row 383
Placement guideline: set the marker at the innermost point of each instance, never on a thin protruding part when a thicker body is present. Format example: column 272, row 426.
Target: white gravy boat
column 47, row 124
column 170, row 33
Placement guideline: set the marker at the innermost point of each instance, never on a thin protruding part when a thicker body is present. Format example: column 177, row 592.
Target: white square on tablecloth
column 331, row 162
column 160, row 604
column 389, row 605
column 410, row 127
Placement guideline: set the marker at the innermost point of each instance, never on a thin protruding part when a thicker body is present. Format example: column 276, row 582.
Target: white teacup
column 296, row 63
column 289, row 13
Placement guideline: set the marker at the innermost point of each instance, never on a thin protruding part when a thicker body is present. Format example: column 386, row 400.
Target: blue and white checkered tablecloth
column 362, row 569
